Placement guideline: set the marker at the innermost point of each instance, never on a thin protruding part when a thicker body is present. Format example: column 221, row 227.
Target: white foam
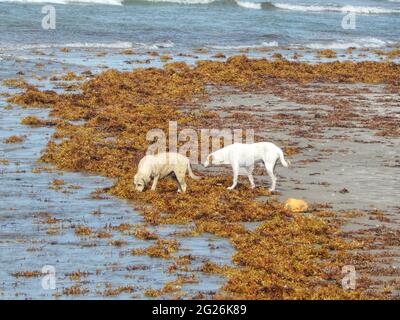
column 88, row 45
column 345, row 9
column 157, row 45
column 105, row 2
column 238, row 47
column 360, row 43
column 185, row 1
column 249, row 5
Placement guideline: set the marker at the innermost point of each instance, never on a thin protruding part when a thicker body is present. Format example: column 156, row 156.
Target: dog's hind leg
column 182, row 185
column 235, row 169
column 155, row 181
column 250, row 176
column 180, row 177
column 270, row 171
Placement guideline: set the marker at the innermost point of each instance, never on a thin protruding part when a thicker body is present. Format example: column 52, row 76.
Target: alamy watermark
column 350, row 277
column 49, row 280
column 349, row 21
column 49, row 20
column 193, row 144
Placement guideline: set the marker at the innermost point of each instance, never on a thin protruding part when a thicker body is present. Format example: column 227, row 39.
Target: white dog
column 162, row 165
column 244, row 156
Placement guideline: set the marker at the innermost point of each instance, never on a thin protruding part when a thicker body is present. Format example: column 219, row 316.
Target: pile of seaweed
column 288, row 256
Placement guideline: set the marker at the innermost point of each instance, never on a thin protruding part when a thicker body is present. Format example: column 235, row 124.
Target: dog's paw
column 231, row 188
column 271, row 190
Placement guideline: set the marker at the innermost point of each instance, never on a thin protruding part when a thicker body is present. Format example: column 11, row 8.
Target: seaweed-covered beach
column 72, row 136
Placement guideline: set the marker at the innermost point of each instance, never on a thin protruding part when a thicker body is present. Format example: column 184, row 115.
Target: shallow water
column 27, row 200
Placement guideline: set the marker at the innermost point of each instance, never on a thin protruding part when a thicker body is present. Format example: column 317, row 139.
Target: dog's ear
column 210, row 158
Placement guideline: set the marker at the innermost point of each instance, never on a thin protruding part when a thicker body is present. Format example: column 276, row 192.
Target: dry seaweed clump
column 75, row 290
column 254, row 73
column 219, row 55
column 277, row 56
column 34, row 121
column 144, row 234
column 83, row 231
column 77, row 275
column 14, row 139
column 392, row 54
column 69, row 76
column 171, row 286
column 32, row 97
column 327, row 53
column 15, row 83
column 161, row 249
column 27, row 274
column 117, row 243
column 110, row 292
column 289, row 256
column 165, row 58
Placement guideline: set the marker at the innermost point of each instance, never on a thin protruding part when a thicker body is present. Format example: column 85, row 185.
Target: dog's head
column 208, row 160
column 140, row 182
column 213, row 159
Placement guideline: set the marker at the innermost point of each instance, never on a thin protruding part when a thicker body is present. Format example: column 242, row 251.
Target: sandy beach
column 348, row 154
column 68, row 156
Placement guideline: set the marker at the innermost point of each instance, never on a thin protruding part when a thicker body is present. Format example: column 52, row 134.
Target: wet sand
column 336, row 158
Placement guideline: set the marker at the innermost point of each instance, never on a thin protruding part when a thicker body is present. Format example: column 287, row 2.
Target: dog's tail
column 191, row 174
column 282, row 159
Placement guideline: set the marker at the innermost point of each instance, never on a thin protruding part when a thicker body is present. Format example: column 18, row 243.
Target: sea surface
column 229, row 26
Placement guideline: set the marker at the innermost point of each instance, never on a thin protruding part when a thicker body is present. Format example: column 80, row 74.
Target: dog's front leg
column 251, row 179
column 235, row 169
column 250, row 176
column 155, row 181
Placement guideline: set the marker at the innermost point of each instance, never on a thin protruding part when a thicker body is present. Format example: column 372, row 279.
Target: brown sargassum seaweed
column 289, row 256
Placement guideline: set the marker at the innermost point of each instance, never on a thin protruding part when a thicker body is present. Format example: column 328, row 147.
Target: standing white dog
column 162, row 165
column 244, row 156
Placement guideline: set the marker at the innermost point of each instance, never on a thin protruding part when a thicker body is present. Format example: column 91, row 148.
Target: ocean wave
column 359, row 43
column 250, row 5
column 178, row 1
column 111, row 2
column 250, row 46
column 267, row 5
column 103, row 2
column 332, row 8
column 89, row 45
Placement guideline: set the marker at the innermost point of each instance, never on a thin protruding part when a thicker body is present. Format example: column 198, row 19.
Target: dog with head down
column 243, row 157
column 155, row 167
